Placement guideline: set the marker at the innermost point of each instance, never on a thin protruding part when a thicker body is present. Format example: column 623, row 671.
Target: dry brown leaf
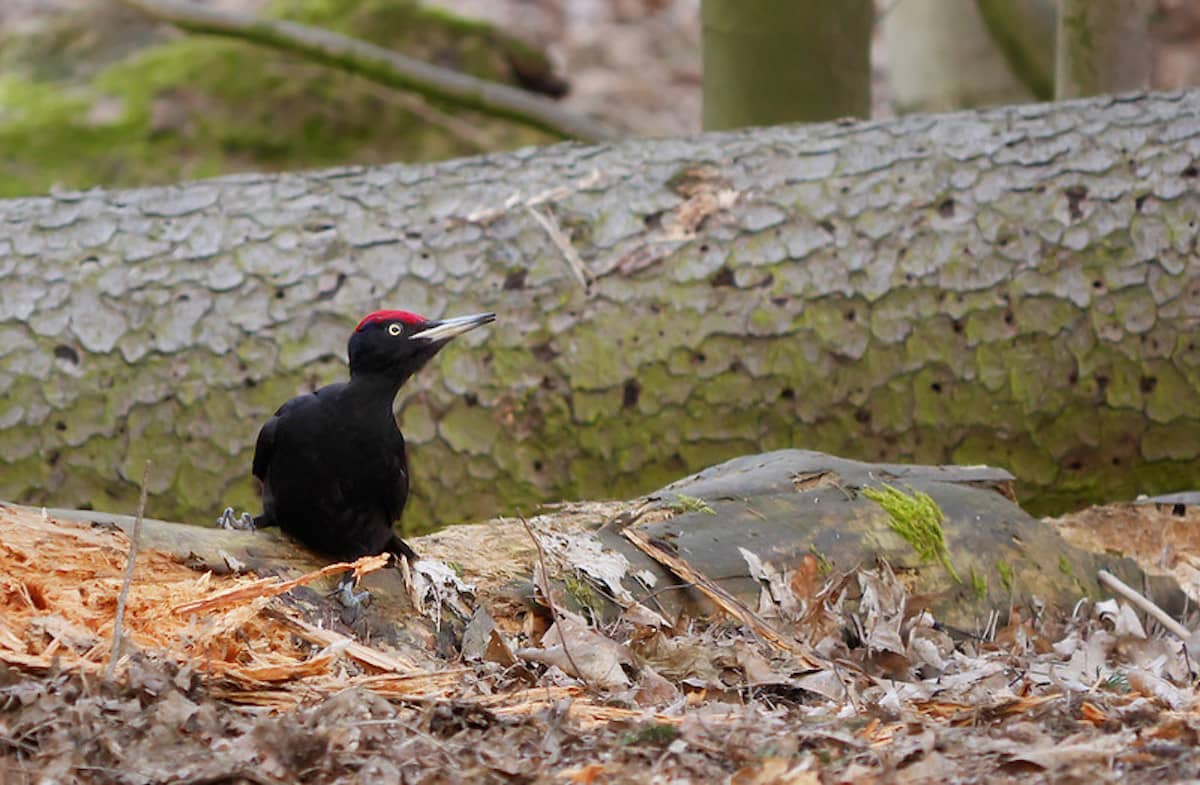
column 776, row 771
column 1090, row 712
column 583, row 775
column 807, row 578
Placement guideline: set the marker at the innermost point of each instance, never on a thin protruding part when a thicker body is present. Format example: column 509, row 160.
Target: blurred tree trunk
column 767, row 63
column 943, row 57
column 1024, row 31
column 1104, row 46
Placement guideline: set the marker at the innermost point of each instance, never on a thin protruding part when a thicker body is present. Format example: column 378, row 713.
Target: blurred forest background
column 94, row 92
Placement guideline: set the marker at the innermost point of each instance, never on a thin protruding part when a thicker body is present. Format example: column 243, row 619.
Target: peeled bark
column 1018, row 286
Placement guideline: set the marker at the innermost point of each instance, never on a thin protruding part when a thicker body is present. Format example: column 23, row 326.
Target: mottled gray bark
column 1018, row 286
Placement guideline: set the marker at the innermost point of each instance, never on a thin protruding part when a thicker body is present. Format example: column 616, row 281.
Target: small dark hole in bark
column 67, row 353
column 629, row 396
column 1075, row 195
column 1147, row 384
column 722, row 277
column 515, row 280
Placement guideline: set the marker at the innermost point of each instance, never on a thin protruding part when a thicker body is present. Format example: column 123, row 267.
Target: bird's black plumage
column 332, row 463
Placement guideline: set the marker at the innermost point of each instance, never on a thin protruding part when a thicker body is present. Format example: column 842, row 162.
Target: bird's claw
column 243, row 522
column 354, row 602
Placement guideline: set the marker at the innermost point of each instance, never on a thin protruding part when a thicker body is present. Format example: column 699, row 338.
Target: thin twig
column 118, row 641
column 545, row 587
column 380, row 65
column 570, row 255
column 1117, row 586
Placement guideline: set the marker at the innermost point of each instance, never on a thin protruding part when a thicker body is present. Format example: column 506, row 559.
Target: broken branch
column 379, row 65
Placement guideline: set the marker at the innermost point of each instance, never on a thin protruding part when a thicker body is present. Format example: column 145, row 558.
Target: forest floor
column 219, row 681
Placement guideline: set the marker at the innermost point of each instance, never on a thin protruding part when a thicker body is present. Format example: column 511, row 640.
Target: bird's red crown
column 408, row 317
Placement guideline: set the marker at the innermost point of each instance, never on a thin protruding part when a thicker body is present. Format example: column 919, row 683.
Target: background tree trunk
column 1024, row 31
column 767, row 62
column 1104, row 46
column 943, row 57
column 1018, row 287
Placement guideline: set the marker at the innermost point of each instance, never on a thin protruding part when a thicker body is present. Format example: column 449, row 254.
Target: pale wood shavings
column 254, row 651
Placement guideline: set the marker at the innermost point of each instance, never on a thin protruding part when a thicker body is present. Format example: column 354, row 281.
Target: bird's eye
column 395, row 329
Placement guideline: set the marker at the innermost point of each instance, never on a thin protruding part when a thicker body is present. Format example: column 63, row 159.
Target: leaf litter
column 222, row 681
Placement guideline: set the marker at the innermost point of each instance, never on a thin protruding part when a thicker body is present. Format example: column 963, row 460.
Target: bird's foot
column 244, row 522
column 354, row 602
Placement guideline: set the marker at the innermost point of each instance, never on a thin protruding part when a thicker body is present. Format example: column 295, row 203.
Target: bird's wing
column 264, row 447
column 400, row 492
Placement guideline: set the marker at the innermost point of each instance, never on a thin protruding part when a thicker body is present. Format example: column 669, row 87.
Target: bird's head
column 397, row 343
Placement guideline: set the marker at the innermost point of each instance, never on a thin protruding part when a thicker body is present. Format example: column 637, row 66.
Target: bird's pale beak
column 440, row 332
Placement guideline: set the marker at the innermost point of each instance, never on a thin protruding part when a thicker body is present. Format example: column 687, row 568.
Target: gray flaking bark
column 1018, row 286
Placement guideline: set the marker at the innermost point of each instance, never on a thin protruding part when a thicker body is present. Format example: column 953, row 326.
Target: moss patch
column 917, row 518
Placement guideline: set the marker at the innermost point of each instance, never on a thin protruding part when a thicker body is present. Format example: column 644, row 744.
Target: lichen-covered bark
column 1018, row 286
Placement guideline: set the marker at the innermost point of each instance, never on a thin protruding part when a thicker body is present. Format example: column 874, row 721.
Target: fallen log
column 1015, row 286
column 740, row 540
